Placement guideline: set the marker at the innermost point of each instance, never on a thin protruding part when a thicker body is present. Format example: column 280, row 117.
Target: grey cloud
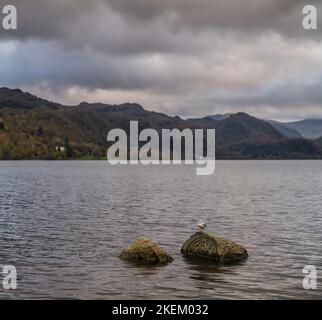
column 283, row 16
column 188, row 57
column 99, row 20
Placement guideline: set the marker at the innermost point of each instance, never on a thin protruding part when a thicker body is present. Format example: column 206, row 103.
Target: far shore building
column 61, row 149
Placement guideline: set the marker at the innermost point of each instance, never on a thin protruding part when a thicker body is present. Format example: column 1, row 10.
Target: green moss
column 145, row 250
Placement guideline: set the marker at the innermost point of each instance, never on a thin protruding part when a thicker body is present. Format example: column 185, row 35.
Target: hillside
column 34, row 128
column 309, row 128
column 285, row 130
column 241, row 127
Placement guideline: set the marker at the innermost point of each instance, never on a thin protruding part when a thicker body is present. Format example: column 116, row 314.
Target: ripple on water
column 63, row 225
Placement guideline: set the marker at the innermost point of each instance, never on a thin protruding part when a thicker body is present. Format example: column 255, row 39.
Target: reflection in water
column 64, row 224
column 207, row 270
column 144, row 269
column 202, row 270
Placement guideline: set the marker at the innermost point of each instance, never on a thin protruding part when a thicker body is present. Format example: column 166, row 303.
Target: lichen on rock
column 145, row 250
column 207, row 245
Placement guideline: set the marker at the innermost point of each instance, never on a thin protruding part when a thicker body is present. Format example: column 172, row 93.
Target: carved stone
column 207, row 245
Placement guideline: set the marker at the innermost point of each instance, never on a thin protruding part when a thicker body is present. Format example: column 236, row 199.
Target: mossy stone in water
column 145, row 250
column 207, row 245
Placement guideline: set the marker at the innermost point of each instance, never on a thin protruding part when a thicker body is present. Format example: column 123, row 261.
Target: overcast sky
column 181, row 57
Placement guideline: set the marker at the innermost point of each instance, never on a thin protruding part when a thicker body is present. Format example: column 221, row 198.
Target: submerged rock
column 145, row 250
column 207, row 245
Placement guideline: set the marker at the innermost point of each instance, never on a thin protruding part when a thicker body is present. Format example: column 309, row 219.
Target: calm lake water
column 63, row 225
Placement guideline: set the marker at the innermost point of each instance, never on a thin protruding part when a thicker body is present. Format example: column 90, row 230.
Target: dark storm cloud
column 149, row 25
column 233, row 14
column 180, row 56
column 246, row 14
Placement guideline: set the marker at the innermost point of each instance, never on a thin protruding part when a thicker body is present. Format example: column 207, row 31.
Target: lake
column 63, row 225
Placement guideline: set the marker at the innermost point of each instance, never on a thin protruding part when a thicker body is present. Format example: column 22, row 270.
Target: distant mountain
column 238, row 128
column 241, row 127
column 279, row 126
column 285, row 130
column 34, row 128
column 220, row 117
column 309, row 129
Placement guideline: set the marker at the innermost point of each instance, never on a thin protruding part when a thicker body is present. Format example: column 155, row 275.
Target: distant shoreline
column 32, row 128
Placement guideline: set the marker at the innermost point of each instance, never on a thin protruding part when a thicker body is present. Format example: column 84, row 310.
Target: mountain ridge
column 35, row 128
column 285, row 130
column 308, row 128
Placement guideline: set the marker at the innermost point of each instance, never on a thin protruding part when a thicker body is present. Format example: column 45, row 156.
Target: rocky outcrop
column 207, row 245
column 145, row 250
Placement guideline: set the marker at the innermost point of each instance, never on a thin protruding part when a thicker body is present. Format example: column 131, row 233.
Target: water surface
column 63, row 225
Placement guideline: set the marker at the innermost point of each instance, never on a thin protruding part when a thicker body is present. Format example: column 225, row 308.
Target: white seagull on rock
column 202, row 225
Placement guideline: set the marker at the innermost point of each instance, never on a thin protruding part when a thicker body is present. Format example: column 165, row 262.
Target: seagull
column 202, row 225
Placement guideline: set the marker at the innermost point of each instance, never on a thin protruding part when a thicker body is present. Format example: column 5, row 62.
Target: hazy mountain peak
column 308, row 128
column 284, row 129
column 220, row 117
